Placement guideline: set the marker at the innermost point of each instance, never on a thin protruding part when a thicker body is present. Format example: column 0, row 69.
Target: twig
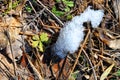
column 76, row 61
column 8, row 72
column 48, row 26
column 4, row 73
column 32, row 6
column 31, row 66
column 37, row 15
column 50, row 12
column 14, row 63
column 94, row 73
column 35, row 70
column 61, row 70
column 19, row 8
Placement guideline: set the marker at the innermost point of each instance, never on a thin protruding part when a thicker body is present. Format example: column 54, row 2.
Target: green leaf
column 35, row 43
column 69, row 3
column 40, row 46
column 15, row 4
column 48, row 42
column 56, row 12
column 67, row 9
column 59, row 13
column 118, row 73
column 44, row 37
column 28, row 8
column 53, row 9
column 58, row 0
column 36, row 38
column 73, row 76
column 69, row 17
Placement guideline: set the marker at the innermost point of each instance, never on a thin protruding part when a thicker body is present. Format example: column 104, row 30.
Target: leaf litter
column 101, row 45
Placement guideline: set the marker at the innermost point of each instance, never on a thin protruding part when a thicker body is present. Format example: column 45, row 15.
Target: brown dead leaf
column 56, row 68
column 10, row 22
column 11, row 25
column 116, row 6
column 114, row 44
column 98, row 1
column 3, row 41
column 101, row 34
column 108, row 39
column 23, row 61
column 31, row 78
column 49, row 3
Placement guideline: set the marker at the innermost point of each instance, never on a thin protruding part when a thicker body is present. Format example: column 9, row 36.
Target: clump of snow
column 72, row 34
column 95, row 16
column 69, row 39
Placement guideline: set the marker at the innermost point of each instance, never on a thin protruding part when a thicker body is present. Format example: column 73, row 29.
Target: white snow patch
column 72, row 34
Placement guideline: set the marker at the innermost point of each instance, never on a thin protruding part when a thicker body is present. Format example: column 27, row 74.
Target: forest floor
column 28, row 27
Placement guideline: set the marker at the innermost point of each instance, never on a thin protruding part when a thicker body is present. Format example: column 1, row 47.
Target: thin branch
column 32, row 6
column 76, row 61
column 14, row 63
column 50, row 12
column 94, row 73
column 7, row 69
column 61, row 70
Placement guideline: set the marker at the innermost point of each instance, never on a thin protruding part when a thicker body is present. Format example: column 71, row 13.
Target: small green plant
column 118, row 73
column 56, row 12
column 13, row 5
column 28, row 8
column 38, row 41
column 69, row 4
column 74, row 75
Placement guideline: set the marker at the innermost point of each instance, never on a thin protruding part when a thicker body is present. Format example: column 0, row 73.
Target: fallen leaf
column 98, row 2
column 106, row 72
column 11, row 25
column 62, row 75
column 23, row 60
column 101, row 34
column 108, row 39
column 10, row 21
column 114, row 44
column 116, row 7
